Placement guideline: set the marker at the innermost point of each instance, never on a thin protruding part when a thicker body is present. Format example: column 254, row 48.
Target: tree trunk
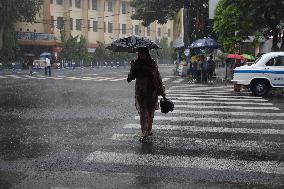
column 2, row 27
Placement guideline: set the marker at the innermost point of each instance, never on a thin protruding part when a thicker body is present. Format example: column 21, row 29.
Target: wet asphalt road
column 79, row 129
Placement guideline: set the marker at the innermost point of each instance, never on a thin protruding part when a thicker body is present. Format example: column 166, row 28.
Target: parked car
column 267, row 72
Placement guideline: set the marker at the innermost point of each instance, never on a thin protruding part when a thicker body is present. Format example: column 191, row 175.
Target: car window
column 270, row 62
column 279, row 61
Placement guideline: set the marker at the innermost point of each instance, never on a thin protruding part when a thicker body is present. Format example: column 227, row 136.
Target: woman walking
column 148, row 87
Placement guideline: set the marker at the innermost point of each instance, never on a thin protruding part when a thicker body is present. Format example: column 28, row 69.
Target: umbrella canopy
column 235, row 56
column 131, row 44
column 248, row 56
column 29, row 54
column 45, row 54
column 205, row 43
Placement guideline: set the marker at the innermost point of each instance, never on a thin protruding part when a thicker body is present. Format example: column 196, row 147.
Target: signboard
column 34, row 36
column 178, row 33
column 91, row 50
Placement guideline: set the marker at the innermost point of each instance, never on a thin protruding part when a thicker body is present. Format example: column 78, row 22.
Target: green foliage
column 235, row 20
column 197, row 25
column 10, row 48
column 12, row 11
column 166, row 53
column 75, row 49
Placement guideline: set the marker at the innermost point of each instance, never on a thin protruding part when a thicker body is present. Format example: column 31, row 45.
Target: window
column 52, row 21
column 51, row 1
column 109, row 6
column 95, row 26
column 34, row 30
column 89, row 25
column 136, row 30
column 123, row 28
column 60, row 23
column 109, row 27
column 169, row 32
column 159, row 32
column 148, row 31
column 123, row 8
column 71, row 24
column 105, row 27
column 277, row 61
column 70, row 3
column 78, row 4
column 59, row 2
column 78, row 24
column 21, row 29
column 94, row 4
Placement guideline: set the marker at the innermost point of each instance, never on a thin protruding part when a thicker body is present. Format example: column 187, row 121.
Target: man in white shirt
column 48, row 66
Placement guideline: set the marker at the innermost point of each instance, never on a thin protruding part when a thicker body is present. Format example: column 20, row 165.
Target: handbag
column 166, row 105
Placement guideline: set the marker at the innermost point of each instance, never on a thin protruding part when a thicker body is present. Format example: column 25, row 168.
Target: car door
column 276, row 71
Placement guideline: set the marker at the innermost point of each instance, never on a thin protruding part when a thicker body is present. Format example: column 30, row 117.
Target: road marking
column 120, row 79
column 178, row 81
column 200, row 112
column 270, row 167
column 213, row 95
column 165, row 79
column 3, row 77
column 57, row 78
column 201, row 88
column 217, row 120
column 15, row 76
column 197, row 91
column 73, row 78
column 218, row 99
column 193, row 143
column 105, row 79
column 226, row 107
column 229, row 103
column 210, row 129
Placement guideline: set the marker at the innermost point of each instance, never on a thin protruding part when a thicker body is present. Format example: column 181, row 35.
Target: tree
column 197, row 25
column 235, row 20
column 12, row 11
column 75, row 49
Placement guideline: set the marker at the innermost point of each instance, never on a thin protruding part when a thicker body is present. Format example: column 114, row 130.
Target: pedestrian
column 47, row 66
column 29, row 62
column 204, row 68
column 211, row 68
column 148, row 87
column 194, row 70
column 199, row 68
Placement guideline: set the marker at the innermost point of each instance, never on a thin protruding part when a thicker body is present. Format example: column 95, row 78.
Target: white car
column 267, row 72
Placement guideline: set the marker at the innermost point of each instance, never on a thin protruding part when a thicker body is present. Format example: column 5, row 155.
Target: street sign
column 186, row 52
column 91, row 50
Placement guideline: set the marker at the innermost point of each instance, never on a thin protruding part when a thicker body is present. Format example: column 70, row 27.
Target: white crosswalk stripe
column 178, row 81
column 226, row 107
column 227, row 103
column 219, row 99
column 209, row 129
column 68, row 78
column 273, row 167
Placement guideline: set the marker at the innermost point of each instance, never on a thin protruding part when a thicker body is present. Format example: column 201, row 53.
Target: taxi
column 267, row 72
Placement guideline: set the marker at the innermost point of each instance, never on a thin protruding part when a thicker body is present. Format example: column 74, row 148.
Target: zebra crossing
column 93, row 77
column 212, row 131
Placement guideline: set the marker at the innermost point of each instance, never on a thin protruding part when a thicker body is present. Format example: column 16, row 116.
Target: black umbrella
column 205, row 43
column 131, row 44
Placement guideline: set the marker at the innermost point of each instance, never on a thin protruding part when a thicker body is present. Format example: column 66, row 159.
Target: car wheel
column 260, row 87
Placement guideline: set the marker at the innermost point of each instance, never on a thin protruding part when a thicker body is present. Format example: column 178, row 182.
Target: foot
column 143, row 139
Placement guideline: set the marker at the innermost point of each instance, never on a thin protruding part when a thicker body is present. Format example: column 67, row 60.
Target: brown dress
column 148, row 87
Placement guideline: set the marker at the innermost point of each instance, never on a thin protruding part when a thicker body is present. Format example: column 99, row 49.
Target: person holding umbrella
column 47, row 66
column 148, row 87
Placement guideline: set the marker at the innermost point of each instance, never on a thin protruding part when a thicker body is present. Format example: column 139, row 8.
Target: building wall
column 102, row 15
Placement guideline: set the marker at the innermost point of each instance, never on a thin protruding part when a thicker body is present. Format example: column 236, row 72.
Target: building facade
column 96, row 20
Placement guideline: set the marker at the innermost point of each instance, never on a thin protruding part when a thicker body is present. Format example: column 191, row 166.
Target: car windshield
column 257, row 59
